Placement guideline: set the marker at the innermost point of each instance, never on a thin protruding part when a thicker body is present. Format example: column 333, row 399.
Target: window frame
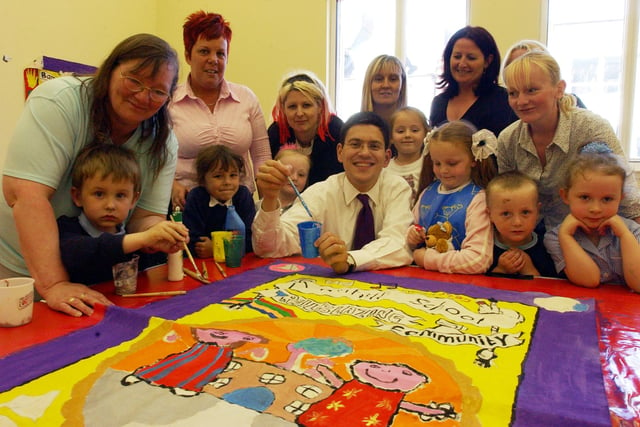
column 629, row 72
column 332, row 40
column 624, row 128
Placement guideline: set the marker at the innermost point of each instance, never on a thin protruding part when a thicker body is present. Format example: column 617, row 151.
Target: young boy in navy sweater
column 105, row 186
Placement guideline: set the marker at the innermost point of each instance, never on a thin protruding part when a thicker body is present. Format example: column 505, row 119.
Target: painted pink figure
column 187, row 372
column 374, row 396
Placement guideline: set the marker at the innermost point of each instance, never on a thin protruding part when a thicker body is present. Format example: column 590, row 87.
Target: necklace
column 306, row 150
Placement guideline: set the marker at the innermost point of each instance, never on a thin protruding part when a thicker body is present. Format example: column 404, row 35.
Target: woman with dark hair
column 125, row 104
column 208, row 110
column 303, row 119
column 471, row 62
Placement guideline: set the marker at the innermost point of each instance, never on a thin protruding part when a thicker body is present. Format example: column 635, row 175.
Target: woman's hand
column 73, row 299
column 178, row 195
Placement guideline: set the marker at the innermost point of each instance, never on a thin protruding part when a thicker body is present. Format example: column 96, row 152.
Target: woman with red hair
column 303, row 119
column 208, row 110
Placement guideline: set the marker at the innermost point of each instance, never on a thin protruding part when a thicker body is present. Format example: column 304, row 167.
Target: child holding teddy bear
column 458, row 164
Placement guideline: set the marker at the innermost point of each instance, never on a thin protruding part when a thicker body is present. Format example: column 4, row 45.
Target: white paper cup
column 16, row 301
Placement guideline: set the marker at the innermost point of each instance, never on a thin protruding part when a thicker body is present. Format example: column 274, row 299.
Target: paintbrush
column 195, row 275
column 220, row 269
column 205, row 273
column 193, row 262
column 300, row 197
column 155, row 294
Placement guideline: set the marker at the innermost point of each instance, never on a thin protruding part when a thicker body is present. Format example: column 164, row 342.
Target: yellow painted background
column 486, row 395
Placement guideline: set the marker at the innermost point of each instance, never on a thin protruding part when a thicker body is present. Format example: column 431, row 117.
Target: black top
column 89, row 259
column 324, row 157
column 490, row 111
column 539, row 256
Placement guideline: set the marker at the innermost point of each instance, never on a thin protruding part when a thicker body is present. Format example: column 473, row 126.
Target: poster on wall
column 49, row 68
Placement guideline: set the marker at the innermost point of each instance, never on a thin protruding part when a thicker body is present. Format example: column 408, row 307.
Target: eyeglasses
column 135, row 85
column 359, row 145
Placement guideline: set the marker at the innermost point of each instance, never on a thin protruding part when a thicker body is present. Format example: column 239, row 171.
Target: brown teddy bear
column 439, row 236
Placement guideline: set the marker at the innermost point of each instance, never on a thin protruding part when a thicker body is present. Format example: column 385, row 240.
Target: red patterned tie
column 365, row 230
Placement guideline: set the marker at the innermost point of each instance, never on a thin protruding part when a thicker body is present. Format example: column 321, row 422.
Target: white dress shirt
column 333, row 203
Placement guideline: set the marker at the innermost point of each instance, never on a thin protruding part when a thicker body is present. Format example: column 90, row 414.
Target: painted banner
column 292, row 344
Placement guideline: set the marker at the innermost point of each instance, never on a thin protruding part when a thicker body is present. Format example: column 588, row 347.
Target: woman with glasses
column 207, row 109
column 304, row 120
column 124, row 103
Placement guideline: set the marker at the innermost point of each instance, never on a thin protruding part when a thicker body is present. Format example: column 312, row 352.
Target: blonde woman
column 550, row 132
column 384, row 90
column 522, row 47
column 303, row 119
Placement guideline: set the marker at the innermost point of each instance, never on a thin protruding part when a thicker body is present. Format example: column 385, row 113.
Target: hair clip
column 426, row 140
column 597, row 147
column 483, row 144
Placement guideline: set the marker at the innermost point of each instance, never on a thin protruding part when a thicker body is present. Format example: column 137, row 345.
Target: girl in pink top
column 458, row 164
